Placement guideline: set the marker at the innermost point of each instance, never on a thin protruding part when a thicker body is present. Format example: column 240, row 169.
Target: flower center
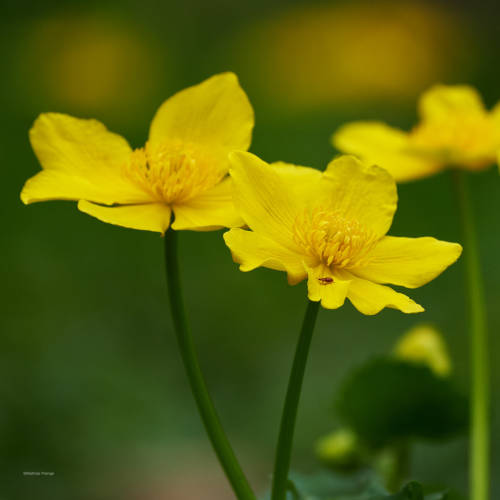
column 324, row 233
column 175, row 171
column 473, row 136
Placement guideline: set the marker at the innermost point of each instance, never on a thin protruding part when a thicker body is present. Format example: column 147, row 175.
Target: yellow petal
column 324, row 286
column 366, row 194
column 409, row 262
column 370, row 298
column 302, row 183
column 252, row 250
column 387, row 147
column 442, row 100
column 148, row 217
column 59, row 185
column 215, row 113
column 299, row 179
column 81, row 160
column 211, row 210
column 263, row 197
column 495, row 115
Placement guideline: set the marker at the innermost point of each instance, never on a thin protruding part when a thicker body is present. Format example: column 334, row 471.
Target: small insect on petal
column 327, row 280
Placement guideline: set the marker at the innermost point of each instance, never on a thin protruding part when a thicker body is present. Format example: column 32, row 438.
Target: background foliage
column 91, row 383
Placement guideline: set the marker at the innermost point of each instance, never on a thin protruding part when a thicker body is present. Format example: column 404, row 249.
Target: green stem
column 289, row 416
column 204, row 403
column 399, row 466
column 480, row 404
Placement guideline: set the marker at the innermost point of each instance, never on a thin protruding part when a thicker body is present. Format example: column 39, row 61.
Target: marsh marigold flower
column 182, row 168
column 330, row 227
column 455, row 130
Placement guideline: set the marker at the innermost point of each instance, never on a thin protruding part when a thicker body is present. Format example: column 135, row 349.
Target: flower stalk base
column 480, row 397
column 199, row 389
column 289, row 416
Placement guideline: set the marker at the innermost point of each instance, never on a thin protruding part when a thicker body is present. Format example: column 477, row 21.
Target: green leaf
column 388, row 400
column 412, row 491
column 362, row 485
column 444, row 495
column 333, row 486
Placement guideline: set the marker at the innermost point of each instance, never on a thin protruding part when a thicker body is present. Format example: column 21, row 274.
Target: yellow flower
column 182, row 168
column 339, row 448
column 424, row 344
column 330, row 227
column 314, row 54
column 90, row 61
column 455, row 130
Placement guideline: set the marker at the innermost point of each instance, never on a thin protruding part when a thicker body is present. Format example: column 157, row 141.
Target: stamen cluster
column 336, row 241
column 173, row 171
column 472, row 135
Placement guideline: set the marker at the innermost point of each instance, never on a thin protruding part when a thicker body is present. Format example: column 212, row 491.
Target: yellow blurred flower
column 455, row 130
column 320, row 54
column 339, row 448
column 424, row 344
column 182, row 168
column 90, row 62
column 330, row 227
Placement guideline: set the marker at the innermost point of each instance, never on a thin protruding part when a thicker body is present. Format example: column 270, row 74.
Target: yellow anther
column 336, row 241
column 173, row 172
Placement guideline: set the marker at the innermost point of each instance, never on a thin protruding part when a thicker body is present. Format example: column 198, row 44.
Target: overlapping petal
column 81, row 159
column 388, row 147
column 409, row 262
column 495, row 115
column 211, row 210
column 265, row 199
column 252, row 250
column 215, row 114
column 299, row 180
column 362, row 193
column 148, row 217
column 325, row 286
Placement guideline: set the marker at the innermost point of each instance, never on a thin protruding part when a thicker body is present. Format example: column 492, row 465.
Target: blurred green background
column 91, row 383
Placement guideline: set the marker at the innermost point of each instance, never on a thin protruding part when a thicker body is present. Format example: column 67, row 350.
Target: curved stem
column 480, row 424
column 289, row 416
column 199, row 389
